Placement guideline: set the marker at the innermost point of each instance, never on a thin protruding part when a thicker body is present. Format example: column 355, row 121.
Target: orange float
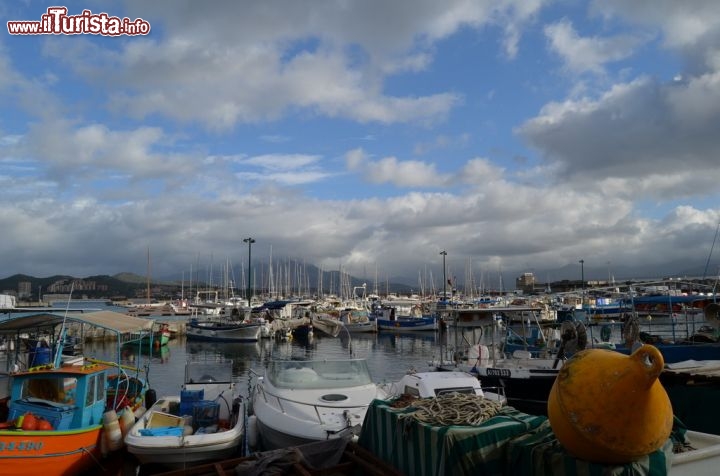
column 608, row 407
column 29, row 423
column 44, row 425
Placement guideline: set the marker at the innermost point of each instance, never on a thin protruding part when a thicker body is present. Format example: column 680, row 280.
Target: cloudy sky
column 517, row 135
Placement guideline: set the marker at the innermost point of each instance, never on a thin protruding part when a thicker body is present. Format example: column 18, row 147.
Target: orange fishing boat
column 60, row 417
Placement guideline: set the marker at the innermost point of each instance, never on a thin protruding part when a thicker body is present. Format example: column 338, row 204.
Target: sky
column 516, row 136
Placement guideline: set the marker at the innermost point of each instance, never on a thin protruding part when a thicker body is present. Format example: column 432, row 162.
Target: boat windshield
column 208, row 372
column 52, row 388
column 316, row 374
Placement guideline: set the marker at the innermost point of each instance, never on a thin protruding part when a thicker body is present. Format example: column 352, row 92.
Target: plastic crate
column 205, row 413
column 188, row 398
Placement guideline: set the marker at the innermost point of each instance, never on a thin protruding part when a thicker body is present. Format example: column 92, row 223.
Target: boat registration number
column 498, row 372
column 20, row 445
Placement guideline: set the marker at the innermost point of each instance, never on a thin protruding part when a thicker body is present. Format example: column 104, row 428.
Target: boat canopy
column 109, row 320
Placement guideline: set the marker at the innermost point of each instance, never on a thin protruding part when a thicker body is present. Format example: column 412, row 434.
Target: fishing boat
column 357, row 320
column 160, row 336
column 327, row 324
column 478, row 348
column 204, row 422
column 62, row 412
column 298, row 401
column 223, row 330
column 387, row 319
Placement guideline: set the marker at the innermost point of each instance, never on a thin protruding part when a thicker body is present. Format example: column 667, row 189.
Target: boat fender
column 112, row 431
column 252, row 431
column 150, row 398
column 127, row 420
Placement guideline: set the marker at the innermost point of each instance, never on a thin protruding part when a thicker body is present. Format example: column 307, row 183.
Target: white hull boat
column 223, row 330
column 357, row 320
column 299, row 402
column 436, row 383
column 326, row 324
column 204, row 423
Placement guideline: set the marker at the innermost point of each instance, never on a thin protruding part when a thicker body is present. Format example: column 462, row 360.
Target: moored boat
column 298, row 402
column 357, row 320
column 204, row 422
column 223, row 330
column 436, row 383
column 62, row 414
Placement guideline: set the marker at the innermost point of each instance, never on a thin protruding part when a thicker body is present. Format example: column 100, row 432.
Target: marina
column 326, row 382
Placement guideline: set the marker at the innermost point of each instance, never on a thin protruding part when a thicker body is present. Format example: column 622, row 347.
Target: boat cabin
column 72, row 396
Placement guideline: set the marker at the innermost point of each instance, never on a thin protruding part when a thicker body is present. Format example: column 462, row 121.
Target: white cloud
column 644, row 137
column 243, row 63
column 404, row 174
column 585, row 54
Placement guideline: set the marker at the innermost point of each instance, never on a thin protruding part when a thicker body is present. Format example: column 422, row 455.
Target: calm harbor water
column 389, row 355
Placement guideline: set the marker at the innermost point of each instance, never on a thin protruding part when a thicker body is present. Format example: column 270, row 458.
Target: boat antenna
column 61, row 336
column 707, row 263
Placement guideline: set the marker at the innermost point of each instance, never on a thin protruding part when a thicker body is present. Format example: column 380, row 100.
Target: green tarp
column 510, row 443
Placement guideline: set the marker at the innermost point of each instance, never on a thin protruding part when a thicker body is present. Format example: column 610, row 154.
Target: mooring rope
column 452, row 409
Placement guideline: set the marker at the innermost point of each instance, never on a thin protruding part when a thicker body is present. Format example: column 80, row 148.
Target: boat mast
column 148, row 275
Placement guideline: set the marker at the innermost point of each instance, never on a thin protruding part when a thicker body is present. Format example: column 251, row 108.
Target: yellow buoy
column 608, row 407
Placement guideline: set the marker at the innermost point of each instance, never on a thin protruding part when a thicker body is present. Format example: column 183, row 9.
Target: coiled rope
column 452, row 409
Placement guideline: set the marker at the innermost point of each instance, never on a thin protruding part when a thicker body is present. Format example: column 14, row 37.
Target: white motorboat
column 436, row 383
column 223, row 330
column 299, row 402
column 205, row 422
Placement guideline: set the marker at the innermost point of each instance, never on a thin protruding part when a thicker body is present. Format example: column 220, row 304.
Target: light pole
column 444, row 254
column 249, row 241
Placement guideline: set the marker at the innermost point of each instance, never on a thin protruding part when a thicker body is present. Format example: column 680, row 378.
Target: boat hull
column 369, row 326
column 311, row 401
column 223, row 332
column 49, row 452
column 176, row 451
column 409, row 324
column 180, row 449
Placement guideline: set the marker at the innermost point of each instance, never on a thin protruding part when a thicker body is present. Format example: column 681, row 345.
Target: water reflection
column 389, row 354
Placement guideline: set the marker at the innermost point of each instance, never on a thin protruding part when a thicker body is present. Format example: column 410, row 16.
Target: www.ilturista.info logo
column 57, row 22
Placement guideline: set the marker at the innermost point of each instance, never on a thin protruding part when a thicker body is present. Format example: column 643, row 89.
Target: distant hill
column 105, row 286
column 131, row 278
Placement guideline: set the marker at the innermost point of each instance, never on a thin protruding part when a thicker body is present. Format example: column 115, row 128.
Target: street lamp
column 249, row 241
column 444, row 254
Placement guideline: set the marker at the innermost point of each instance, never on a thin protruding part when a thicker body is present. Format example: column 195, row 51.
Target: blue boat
column 387, row 319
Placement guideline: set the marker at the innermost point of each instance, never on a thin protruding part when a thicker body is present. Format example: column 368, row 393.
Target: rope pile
column 453, row 409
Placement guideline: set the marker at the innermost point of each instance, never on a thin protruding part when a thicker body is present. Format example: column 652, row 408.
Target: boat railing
column 316, row 406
